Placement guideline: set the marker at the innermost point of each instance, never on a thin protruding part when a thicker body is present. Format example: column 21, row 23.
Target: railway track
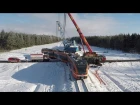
column 23, row 61
column 82, row 86
column 132, row 60
column 110, row 61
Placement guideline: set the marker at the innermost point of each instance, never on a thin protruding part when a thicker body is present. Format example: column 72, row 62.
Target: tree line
column 12, row 40
column 123, row 42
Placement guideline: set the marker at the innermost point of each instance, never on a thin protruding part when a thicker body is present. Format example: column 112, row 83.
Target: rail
column 82, row 87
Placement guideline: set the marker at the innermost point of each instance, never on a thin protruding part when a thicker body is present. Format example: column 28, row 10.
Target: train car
column 79, row 67
column 61, row 55
column 36, row 57
column 50, row 52
column 45, row 50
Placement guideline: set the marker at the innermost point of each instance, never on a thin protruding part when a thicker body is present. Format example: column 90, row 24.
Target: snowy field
column 56, row 76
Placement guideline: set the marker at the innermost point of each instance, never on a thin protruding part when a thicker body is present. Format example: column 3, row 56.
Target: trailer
column 36, row 57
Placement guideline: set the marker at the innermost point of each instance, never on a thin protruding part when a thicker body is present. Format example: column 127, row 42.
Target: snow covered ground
column 56, row 76
column 124, row 75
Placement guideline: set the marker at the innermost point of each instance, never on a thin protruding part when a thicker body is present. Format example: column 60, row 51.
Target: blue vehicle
column 71, row 49
column 69, row 46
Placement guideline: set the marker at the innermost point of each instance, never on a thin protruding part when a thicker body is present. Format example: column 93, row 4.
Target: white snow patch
column 55, row 76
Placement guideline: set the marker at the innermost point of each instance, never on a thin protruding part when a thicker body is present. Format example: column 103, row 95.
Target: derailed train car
column 78, row 66
column 50, row 52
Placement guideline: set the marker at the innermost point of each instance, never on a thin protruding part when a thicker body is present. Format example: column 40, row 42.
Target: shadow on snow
column 43, row 73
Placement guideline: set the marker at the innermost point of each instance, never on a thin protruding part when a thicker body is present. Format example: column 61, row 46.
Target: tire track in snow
column 95, row 83
column 133, row 69
column 6, row 67
column 37, row 88
column 129, row 85
column 8, row 70
column 110, row 85
column 117, row 83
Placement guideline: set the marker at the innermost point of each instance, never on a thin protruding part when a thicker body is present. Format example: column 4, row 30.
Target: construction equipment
column 79, row 65
column 69, row 46
column 91, row 57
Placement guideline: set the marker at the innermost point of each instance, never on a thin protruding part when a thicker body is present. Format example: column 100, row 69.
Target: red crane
column 80, row 33
column 90, row 56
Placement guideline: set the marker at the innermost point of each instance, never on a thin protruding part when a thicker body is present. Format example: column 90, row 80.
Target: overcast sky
column 90, row 23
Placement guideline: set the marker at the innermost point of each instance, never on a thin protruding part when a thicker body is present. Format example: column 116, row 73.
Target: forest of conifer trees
column 12, row 40
column 123, row 42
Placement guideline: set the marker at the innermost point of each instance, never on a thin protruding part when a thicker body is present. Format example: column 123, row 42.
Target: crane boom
column 80, row 33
